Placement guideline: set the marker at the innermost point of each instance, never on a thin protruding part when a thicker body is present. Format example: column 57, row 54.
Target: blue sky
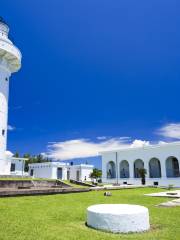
column 91, row 69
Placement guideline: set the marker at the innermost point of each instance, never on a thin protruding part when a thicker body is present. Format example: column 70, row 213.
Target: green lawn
column 63, row 216
column 73, row 184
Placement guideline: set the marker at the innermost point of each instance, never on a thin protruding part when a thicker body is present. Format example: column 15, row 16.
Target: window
column 155, row 183
column 3, row 132
column 13, row 167
column 111, row 170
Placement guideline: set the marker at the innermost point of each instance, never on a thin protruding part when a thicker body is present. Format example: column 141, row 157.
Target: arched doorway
column 124, row 169
column 154, row 168
column 138, row 164
column 172, row 167
column 111, row 170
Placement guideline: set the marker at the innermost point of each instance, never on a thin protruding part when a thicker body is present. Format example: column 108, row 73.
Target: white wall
column 4, row 88
column 48, row 170
column 84, row 171
column 42, row 171
column 73, row 172
column 19, row 167
column 162, row 152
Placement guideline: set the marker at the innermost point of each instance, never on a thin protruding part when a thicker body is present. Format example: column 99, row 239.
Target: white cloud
column 108, row 137
column 11, row 128
column 162, row 142
column 171, row 130
column 81, row 148
column 139, row 143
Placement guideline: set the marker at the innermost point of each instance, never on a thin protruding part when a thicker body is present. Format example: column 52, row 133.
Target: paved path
column 173, row 203
column 170, row 194
column 111, row 187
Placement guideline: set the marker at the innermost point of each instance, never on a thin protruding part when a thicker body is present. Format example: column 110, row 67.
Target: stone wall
column 31, row 184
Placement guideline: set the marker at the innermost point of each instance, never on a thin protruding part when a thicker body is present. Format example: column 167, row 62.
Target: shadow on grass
column 153, row 228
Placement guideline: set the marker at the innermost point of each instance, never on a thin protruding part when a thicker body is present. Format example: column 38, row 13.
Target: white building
column 10, row 62
column 161, row 162
column 60, row 170
column 17, row 164
column 17, row 167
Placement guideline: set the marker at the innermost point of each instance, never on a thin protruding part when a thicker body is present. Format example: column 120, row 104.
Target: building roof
column 49, row 163
column 61, row 164
column 145, row 147
column 19, row 158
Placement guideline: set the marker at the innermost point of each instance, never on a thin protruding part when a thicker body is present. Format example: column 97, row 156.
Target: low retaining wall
column 15, row 183
column 44, row 183
column 49, row 191
column 14, row 176
column 31, row 184
column 163, row 181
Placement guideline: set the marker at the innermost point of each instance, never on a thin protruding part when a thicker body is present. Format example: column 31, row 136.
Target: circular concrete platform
column 118, row 218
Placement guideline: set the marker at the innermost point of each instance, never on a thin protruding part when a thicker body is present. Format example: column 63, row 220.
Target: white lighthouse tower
column 10, row 62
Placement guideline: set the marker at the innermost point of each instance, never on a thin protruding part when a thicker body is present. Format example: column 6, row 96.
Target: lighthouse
column 10, row 62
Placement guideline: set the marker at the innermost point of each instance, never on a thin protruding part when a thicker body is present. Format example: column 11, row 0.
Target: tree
column 16, row 155
column 34, row 159
column 142, row 173
column 96, row 173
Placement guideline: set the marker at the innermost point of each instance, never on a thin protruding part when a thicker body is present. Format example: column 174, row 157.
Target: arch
column 154, row 168
column 138, row 164
column 124, row 169
column 111, row 170
column 172, row 167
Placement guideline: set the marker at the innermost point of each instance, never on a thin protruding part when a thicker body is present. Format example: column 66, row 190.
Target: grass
column 62, row 217
column 73, row 184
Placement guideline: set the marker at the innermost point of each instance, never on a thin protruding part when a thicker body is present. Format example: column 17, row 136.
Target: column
column 146, row 166
column 163, row 167
column 131, row 169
